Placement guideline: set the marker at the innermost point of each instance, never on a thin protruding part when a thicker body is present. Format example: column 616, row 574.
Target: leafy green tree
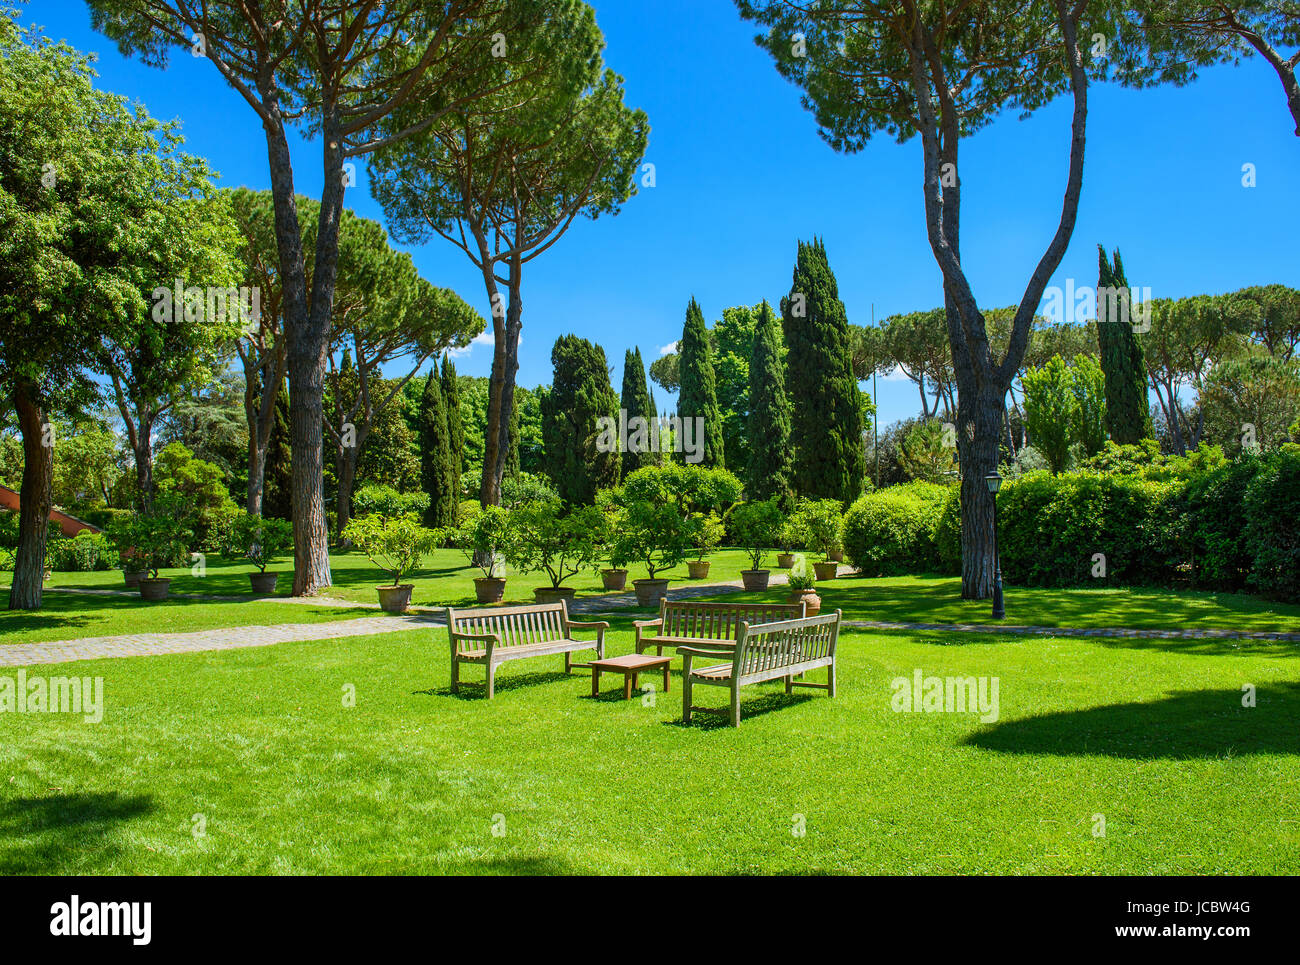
column 1274, row 313
column 698, row 398
column 451, row 398
column 504, row 185
column 1251, row 401
column 212, row 424
column 1088, row 383
column 580, row 397
column 1050, row 410
column 635, row 402
column 925, row 452
column 941, row 72
column 89, row 188
column 917, row 342
column 437, row 478
column 826, row 426
column 1128, row 417
column 340, row 73
column 277, row 500
column 770, row 456
column 1184, row 35
column 85, row 462
column 197, row 491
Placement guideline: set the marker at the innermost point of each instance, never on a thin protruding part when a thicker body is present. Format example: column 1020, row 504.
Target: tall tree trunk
column 978, row 419
column 505, row 365
column 256, row 476
column 34, row 501
column 143, row 451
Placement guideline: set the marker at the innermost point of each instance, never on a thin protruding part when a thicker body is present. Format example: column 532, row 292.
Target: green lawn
column 68, row 616
column 1152, row 735
column 920, row 599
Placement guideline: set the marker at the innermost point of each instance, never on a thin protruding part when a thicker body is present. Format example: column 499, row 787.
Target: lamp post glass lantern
column 994, row 481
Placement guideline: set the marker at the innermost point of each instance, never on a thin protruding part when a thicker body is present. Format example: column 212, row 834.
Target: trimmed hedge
column 1272, row 503
column 891, row 531
column 1051, row 528
column 82, row 553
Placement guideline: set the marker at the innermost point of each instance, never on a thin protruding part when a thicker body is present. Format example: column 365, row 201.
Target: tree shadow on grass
column 57, row 825
column 749, row 708
column 1186, row 725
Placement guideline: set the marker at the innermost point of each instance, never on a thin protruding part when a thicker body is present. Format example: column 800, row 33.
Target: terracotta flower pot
column 263, row 583
column 755, row 579
column 489, row 589
column 809, row 598
column 826, row 570
column 553, row 594
column 155, row 589
column 395, row 599
column 650, row 592
column 614, row 579
column 699, row 569
column 837, row 555
column 132, row 578
column 785, row 560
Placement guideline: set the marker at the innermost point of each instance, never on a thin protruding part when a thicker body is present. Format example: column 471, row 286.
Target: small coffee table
column 630, row 666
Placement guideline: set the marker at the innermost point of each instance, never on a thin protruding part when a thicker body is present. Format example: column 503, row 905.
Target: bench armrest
column 489, row 640
column 643, row 624
column 706, row 650
column 590, row 624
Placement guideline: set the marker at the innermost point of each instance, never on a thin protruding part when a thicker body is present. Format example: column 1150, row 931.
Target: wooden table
column 630, row 666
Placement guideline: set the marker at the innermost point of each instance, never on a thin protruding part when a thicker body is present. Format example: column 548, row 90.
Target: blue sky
column 742, row 175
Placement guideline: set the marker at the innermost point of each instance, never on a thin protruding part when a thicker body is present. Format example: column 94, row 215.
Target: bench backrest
column 720, row 621
column 768, row 646
column 517, row 626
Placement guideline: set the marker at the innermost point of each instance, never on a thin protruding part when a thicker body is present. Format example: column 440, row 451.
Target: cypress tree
column 698, row 393
column 436, row 456
column 656, row 456
column 512, row 453
column 769, row 412
column 1128, row 417
column 455, row 423
column 826, row 419
column 277, row 492
column 636, row 404
column 581, row 455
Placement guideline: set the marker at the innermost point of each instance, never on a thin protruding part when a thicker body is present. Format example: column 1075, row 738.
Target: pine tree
column 698, row 393
column 436, row 456
column 579, row 456
column 636, row 404
column 826, row 419
column 769, row 413
column 455, row 424
column 1128, row 417
column 512, row 453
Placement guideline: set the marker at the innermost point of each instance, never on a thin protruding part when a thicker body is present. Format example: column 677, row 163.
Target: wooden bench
column 685, row 622
column 765, row 651
column 493, row 636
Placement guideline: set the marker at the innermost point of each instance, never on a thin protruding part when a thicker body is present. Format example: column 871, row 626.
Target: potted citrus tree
column 659, row 537
column 803, row 586
column 260, row 539
column 788, row 535
column 484, row 539
column 161, row 539
column 121, row 533
column 544, row 538
column 820, row 519
column 706, row 534
column 754, row 525
column 395, row 544
column 614, row 576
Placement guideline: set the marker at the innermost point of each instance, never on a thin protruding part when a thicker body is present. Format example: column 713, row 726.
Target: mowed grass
column 69, row 616
column 937, row 599
column 257, row 749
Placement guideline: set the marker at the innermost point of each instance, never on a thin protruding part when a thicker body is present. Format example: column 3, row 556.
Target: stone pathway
column 148, row 644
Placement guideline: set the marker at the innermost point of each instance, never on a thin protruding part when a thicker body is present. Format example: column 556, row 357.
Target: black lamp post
column 994, row 482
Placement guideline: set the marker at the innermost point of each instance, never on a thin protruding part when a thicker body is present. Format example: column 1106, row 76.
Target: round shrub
column 947, row 533
column 891, row 531
column 83, row 553
column 1273, row 527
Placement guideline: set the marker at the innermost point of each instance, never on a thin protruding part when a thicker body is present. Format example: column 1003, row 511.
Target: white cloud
column 666, row 349
column 482, row 338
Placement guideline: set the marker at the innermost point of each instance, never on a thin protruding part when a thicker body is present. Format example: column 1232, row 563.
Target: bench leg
column 789, row 685
column 568, row 665
column 686, row 689
column 830, row 679
column 455, row 675
column 491, row 672
column 735, row 706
